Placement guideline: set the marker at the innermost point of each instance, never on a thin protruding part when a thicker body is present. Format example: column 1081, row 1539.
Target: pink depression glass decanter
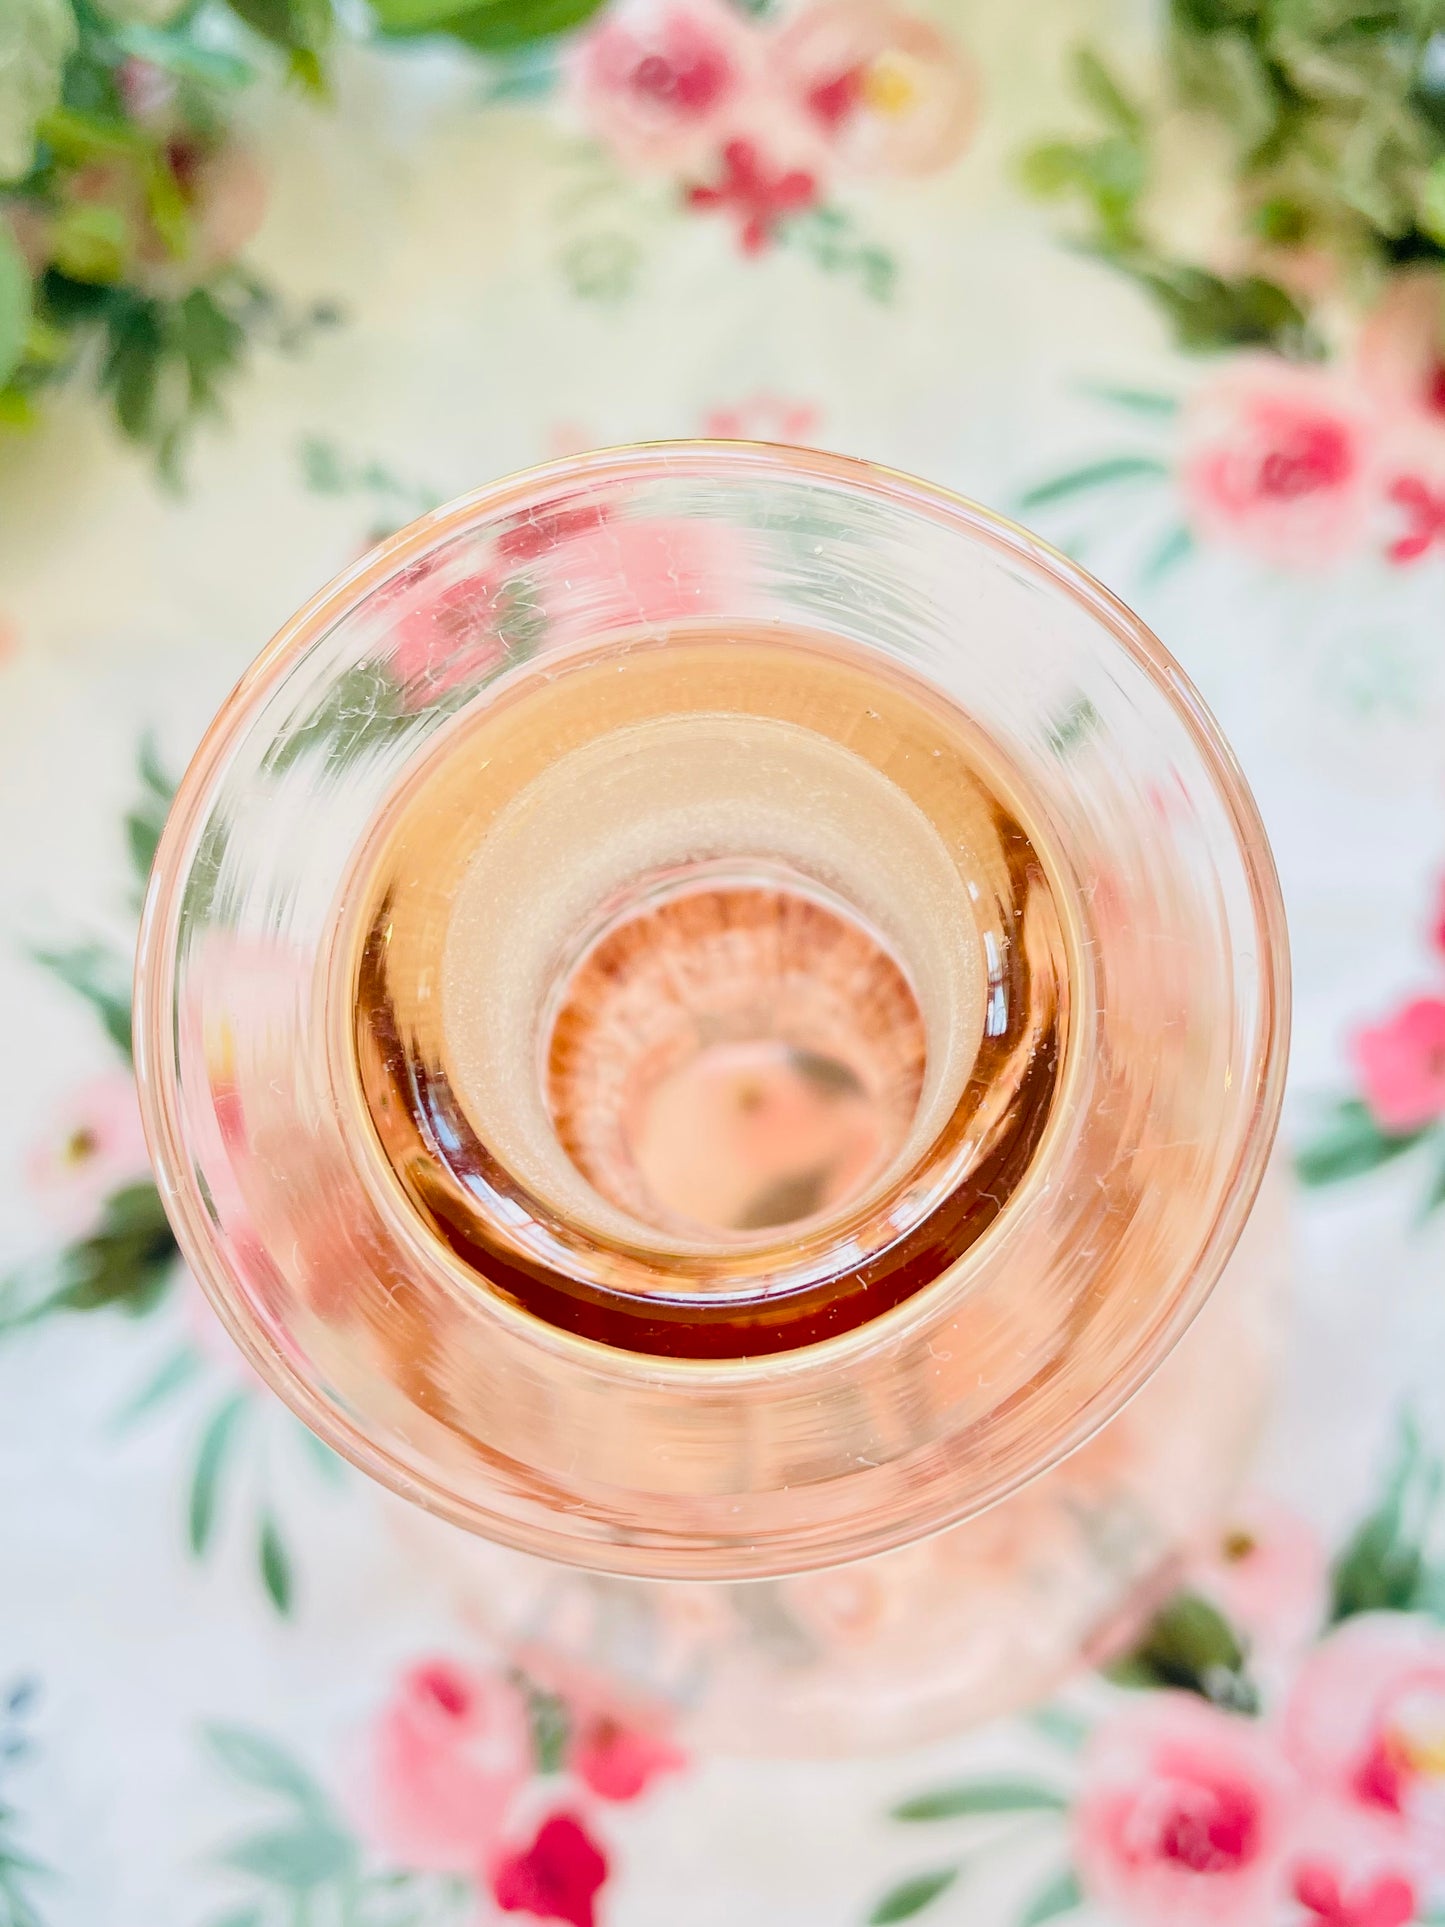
column 711, row 1014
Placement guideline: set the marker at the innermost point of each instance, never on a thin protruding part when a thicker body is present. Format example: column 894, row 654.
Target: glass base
column 979, row 1620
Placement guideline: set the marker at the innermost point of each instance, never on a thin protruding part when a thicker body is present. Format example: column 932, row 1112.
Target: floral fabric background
column 228, row 1697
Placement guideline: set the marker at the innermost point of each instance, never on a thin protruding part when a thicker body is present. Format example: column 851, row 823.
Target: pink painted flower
column 618, row 1741
column 1422, row 509
column 1366, row 1722
column 1414, row 486
column 1346, row 1869
column 1400, row 363
column 1266, row 1569
column 626, row 573
column 1385, row 1899
column 94, row 1146
column 224, row 193
column 1280, row 461
column 756, row 192
column 764, row 418
column 546, row 529
column 619, row 1758
column 1184, row 1816
column 229, row 193
column 1400, row 354
column 146, row 90
column 449, row 636
column 557, row 1877
column 1400, row 1065
column 886, row 93
column 660, row 82
column 448, row 1754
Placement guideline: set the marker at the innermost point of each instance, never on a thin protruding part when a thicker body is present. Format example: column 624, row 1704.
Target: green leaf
column 68, row 306
column 1061, row 1896
column 1074, row 726
column 275, row 1564
column 1064, row 1727
column 1050, row 169
column 305, row 68
column 982, row 1796
column 131, row 370
column 1176, row 545
column 1385, row 1566
column 360, row 712
column 257, row 1761
column 165, row 362
column 1105, row 95
column 16, row 1871
column 1435, row 1195
column 128, row 1262
column 1349, row 1146
column 12, row 1862
column 1138, row 401
column 245, row 1917
column 168, row 208
column 1209, row 312
column 1103, row 474
column 152, row 774
column 417, row 16
column 203, row 900
column 210, row 343
column 174, row 50
column 1280, row 221
column 551, row 1726
column 1224, row 73
column 504, row 24
column 495, row 27
column 17, row 409
column 101, row 978
column 322, row 470
column 145, row 822
column 602, row 267
column 325, row 470
column 21, row 1696
column 91, row 242
column 143, row 835
column 532, row 73
column 1189, row 1644
column 293, row 26
column 216, row 1442
column 77, row 136
column 829, row 238
column 1108, row 176
column 177, row 1372
column 15, row 307
column 1432, row 203
column 296, row 1859
column 911, row 1896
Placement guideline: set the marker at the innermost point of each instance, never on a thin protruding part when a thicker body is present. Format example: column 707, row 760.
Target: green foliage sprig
column 126, row 201
column 1333, row 117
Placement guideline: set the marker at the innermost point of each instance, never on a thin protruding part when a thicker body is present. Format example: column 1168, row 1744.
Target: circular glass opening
column 733, row 1055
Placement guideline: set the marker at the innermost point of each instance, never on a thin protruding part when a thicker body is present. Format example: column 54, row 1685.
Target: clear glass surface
column 745, row 719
